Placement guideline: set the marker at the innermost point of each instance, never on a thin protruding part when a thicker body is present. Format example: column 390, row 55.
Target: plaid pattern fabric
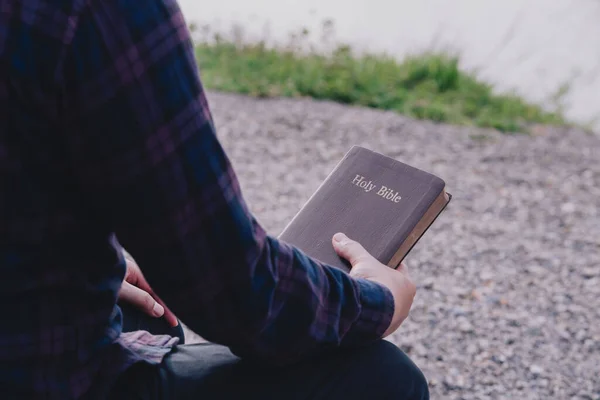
column 105, row 132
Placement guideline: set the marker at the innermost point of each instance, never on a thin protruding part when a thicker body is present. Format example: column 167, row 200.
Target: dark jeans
column 208, row 371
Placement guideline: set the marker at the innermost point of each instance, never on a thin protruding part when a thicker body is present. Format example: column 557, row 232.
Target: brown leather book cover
column 380, row 202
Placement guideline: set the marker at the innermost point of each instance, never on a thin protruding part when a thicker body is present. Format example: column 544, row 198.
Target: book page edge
column 401, row 253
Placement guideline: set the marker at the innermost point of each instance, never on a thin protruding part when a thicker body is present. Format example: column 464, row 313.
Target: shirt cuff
column 376, row 313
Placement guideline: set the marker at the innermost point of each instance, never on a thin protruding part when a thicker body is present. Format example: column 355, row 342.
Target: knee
column 399, row 377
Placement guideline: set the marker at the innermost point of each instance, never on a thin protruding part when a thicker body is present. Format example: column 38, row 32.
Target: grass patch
column 429, row 86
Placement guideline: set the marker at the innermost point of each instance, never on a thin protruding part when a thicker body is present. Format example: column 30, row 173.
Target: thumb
column 140, row 299
column 349, row 249
column 403, row 268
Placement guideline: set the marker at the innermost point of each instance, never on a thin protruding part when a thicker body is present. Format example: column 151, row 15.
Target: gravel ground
column 508, row 305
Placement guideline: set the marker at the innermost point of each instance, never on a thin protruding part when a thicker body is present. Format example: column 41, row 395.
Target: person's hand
column 365, row 266
column 137, row 292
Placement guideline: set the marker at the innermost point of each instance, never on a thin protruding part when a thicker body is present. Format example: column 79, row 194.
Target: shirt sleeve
column 143, row 147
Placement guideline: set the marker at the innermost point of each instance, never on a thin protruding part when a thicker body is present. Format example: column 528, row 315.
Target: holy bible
column 382, row 203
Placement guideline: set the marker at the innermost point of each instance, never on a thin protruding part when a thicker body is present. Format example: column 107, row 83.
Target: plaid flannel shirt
column 105, row 133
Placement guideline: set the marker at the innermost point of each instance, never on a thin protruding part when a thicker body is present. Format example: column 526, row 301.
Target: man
column 105, row 133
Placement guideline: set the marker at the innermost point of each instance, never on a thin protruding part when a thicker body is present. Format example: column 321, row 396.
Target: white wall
column 532, row 46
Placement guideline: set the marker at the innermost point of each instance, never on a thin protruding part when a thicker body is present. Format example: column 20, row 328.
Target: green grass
column 429, row 86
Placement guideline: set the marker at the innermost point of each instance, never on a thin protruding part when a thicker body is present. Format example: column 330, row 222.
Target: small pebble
column 509, row 274
column 536, row 370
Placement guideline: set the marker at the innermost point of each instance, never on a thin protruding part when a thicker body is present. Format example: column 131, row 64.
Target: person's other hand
column 365, row 266
column 136, row 291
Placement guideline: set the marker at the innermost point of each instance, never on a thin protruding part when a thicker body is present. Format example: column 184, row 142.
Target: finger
column 132, row 271
column 349, row 249
column 141, row 299
column 136, row 278
column 168, row 314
